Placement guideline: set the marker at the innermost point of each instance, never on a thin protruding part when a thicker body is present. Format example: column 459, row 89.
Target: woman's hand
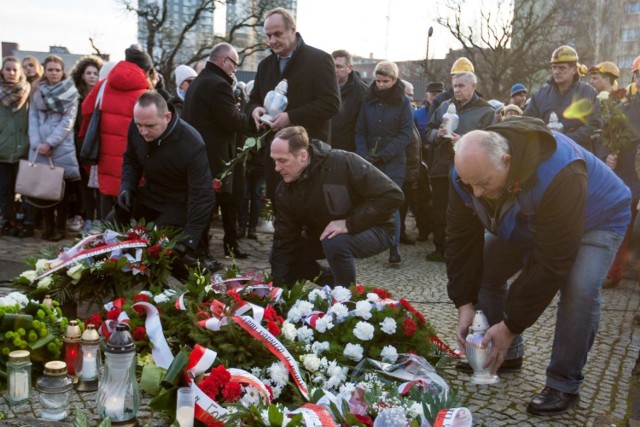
column 44, row 149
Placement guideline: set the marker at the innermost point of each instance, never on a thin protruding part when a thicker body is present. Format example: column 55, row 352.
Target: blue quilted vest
column 608, row 198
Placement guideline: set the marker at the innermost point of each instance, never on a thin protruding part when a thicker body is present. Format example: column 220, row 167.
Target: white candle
column 185, row 415
column 114, row 407
column 20, row 386
column 88, row 366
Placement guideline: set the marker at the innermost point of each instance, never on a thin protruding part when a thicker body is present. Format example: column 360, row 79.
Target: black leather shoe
column 235, row 252
column 508, row 366
column 552, row 402
column 241, row 232
column 436, row 256
column 394, row 255
column 252, row 234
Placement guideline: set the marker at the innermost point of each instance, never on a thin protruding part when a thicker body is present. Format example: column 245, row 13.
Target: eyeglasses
column 235, row 64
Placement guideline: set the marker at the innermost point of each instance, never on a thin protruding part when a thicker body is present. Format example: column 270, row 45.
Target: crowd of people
column 503, row 187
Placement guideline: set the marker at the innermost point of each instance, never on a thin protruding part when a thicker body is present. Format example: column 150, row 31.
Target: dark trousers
column 440, row 199
column 410, row 190
column 422, row 210
column 8, row 174
column 228, row 209
column 250, row 210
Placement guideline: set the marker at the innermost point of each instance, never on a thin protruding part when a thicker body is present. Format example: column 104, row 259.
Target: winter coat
column 337, row 184
column 555, row 192
column 384, row 129
column 177, row 181
column 414, row 156
column 548, row 98
column 210, row 107
column 313, row 92
column 125, row 83
column 343, row 124
column 475, row 114
column 55, row 129
column 14, row 134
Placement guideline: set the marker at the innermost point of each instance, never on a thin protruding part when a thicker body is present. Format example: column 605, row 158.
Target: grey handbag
column 40, row 181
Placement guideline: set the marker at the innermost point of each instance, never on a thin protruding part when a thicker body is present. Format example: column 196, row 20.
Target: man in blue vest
column 526, row 200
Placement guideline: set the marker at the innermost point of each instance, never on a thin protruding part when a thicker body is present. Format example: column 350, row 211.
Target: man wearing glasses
column 562, row 90
column 210, row 107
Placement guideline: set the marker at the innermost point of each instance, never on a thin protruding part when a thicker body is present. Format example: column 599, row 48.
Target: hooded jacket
column 177, row 181
column 343, row 124
column 555, row 192
column 125, row 83
column 335, row 185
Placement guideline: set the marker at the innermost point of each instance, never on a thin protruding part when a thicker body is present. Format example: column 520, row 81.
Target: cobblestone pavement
column 608, row 373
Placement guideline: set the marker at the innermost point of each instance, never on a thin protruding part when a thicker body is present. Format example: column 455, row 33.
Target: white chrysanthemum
column 305, row 307
column 363, row 309
column 305, row 334
column 45, row 283
column 341, row 294
column 373, row 297
column 294, row 314
column 324, row 323
column 389, row 325
column 336, row 374
column 30, row 275
column 389, row 354
column 299, row 310
column 288, row 330
column 353, row 352
column 279, row 374
column 317, row 295
column 251, row 397
column 311, row 362
column 256, row 372
column 19, row 298
column 318, row 347
column 363, row 331
column 340, row 311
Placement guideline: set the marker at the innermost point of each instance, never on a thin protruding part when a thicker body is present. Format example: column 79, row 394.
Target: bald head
column 483, row 161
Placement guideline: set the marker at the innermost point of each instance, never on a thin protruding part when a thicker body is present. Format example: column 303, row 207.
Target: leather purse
column 40, row 181
column 90, row 150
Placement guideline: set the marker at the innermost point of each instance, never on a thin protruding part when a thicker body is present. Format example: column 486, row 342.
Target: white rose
column 30, row 275
column 42, row 265
column 288, row 330
column 75, row 272
column 45, row 283
column 311, row 362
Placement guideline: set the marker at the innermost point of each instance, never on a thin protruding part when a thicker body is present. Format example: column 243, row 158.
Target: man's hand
column 612, row 160
column 338, row 226
column 44, row 149
column 125, row 200
column 465, row 319
column 500, row 337
column 256, row 114
column 375, row 160
column 280, row 121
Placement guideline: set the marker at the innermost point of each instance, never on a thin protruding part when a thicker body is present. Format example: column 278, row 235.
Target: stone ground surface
column 608, row 394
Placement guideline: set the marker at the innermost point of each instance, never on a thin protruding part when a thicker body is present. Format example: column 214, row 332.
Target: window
column 633, row 7
column 630, row 34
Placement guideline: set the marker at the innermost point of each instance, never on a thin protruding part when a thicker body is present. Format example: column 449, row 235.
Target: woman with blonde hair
column 33, row 70
column 14, row 140
column 52, row 114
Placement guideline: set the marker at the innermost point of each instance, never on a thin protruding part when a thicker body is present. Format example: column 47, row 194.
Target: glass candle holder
column 54, row 388
column 72, row 346
column 88, row 364
column 19, row 377
column 185, row 407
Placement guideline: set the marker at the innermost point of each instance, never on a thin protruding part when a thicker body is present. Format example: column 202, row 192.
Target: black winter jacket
column 176, row 176
column 336, row 185
column 343, row 124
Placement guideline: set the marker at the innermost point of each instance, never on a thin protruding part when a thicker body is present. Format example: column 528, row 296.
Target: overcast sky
column 360, row 26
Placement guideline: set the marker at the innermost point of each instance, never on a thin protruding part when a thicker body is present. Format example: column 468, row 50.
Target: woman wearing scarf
column 33, row 70
column 383, row 131
column 52, row 114
column 14, row 139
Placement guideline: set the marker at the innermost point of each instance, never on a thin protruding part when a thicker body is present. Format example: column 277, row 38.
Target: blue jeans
column 578, row 308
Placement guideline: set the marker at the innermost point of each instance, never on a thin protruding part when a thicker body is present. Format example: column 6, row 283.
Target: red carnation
column 141, row 298
column 231, row 392
column 94, row 320
column 410, row 327
column 273, row 328
column 113, row 314
column 360, row 289
column 363, row 419
column 154, row 251
column 383, row 294
column 139, row 333
column 235, row 295
column 209, row 388
column 219, row 376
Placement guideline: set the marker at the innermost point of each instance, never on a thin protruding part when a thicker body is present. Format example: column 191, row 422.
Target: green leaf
column 151, row 378
column 105, row 423
column 165, row 401
column 275, row 416
column 80, row 420
column 42, row 342
column 174, row 374
column 13, row 321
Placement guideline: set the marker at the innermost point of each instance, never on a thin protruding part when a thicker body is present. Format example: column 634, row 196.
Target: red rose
column 113, row 314
column 410, row 327
column 231, row 392
column 363, row 419
column 383, row 294
column 217, row 185
column 273, row 328
column 94, row 320
column 154, row 251
column 139, row 333
column 360, row 289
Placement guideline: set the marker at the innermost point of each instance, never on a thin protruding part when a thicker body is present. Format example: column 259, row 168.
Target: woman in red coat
column 125, row 83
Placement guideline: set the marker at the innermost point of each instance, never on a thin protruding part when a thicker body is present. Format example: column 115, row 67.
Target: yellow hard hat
column 462, row 65
column 636, row 65
column 605, row 67
column 564, row 54
column 582, row 70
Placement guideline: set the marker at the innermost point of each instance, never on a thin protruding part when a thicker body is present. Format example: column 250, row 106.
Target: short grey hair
column 220, row 51
column 469, row 77
column 493, row 144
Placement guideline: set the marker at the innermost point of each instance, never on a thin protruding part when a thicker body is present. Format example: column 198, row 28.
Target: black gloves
column 125, row 200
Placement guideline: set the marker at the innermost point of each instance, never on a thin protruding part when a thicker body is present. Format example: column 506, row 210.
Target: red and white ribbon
column 200, row 360
column 161, row 352
column 246, row 378
column 454, row 417
column 315, row 416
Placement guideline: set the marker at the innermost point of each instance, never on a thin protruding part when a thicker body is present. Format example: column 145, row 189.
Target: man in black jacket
column 170, row 156
column 313, row 88
column 352, row 92
column 210, row 107
column 331, row 204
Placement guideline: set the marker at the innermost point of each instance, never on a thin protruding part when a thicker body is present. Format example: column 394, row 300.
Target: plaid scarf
column 59, row 97
column 14, row 95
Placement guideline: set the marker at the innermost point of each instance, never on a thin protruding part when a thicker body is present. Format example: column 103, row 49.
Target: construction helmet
column 636, row 65
column 564, row 54
column 582, row 69
column 462, row 65
column 605, row 67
